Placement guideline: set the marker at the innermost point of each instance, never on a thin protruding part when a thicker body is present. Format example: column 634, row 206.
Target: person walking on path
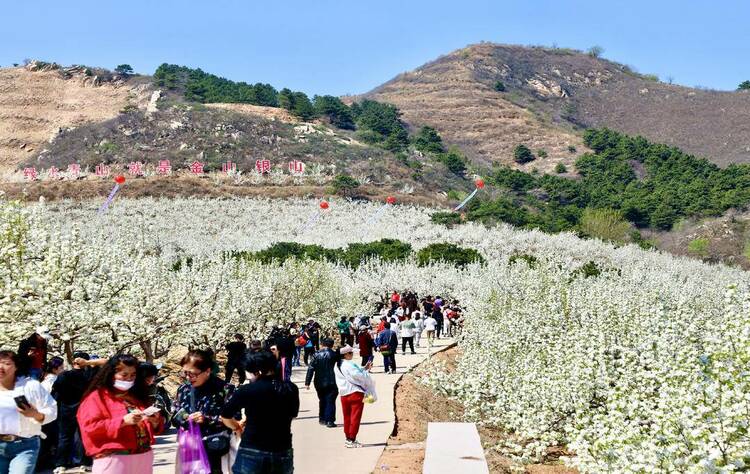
column 269, row 406
column 68, row 390
column 343, row 327
column 419, row 327
column 21, row 422
column 321, row 368
column 408, row 327
column 114, row 429
column 430, row 325
column 201, row 399
column 366, row 346
column 235, row 355
column 355, row 386
column 437, row 315
column 387, row 344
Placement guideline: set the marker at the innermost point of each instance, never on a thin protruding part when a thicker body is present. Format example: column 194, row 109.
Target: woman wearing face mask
column 114, row 429
column 201, row 399
column 21, row 428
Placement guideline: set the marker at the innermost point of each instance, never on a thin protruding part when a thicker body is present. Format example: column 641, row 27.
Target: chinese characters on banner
column 30, row 173
column 263, row 166
column 164, row 168
column 228, row 167
column 101, row 170
column 135, row 168
column 74, row 170
column 296, row 167
column 196, row 167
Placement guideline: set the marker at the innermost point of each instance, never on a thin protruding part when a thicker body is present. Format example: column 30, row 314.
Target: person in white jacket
column 355, row 387
column 24, row 407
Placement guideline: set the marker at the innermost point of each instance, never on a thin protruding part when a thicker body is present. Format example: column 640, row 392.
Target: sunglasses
column 191, row 375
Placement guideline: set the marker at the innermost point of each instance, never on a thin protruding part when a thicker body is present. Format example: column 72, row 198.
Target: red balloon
column 324, row 204
column 119, row 179
column 390, row 200
column 480, row 183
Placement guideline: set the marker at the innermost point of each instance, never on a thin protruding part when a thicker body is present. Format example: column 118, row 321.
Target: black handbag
column 216, row 444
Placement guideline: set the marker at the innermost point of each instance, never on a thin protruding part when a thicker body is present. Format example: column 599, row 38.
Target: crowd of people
column 102, row 414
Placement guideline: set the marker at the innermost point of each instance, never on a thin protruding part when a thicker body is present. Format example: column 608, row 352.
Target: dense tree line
column 650, row 185
column 354, row 254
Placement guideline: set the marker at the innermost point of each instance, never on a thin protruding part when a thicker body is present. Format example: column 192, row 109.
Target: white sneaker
column 59, row 470
column 355, row 444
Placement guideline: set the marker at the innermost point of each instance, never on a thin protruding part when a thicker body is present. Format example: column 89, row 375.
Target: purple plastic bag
column 191, row 455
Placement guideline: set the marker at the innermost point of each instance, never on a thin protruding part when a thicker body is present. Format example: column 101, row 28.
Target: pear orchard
column 638, row 366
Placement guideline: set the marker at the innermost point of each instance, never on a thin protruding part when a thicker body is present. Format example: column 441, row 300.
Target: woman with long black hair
column 117, row 430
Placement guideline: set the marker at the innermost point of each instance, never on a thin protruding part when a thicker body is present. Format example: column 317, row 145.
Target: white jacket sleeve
column 41, row 399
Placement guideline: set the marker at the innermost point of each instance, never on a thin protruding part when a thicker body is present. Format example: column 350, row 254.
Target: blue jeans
column 327, row 403
column 253, row 461
column 389, row 362
column 295, row 357
column 19, row 457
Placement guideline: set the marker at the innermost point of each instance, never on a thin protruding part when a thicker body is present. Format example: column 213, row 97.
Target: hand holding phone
column 150, row 411
column 22, row 402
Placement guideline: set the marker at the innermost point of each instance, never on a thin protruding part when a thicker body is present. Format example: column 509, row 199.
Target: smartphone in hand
column 22, row 402
column 152, row 410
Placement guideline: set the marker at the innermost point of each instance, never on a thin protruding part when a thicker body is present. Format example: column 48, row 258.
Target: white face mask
column 124, row 385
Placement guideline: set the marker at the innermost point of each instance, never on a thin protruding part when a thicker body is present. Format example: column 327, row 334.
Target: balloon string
column 109, row 199
column 468, row 198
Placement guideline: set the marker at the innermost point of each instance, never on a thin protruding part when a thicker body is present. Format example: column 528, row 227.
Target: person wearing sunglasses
column 201, row 398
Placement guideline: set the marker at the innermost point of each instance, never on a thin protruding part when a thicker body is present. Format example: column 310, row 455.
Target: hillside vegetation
column 488, row 98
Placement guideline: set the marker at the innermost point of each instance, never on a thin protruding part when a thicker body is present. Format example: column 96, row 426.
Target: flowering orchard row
column 639, row 367
column 162, row 168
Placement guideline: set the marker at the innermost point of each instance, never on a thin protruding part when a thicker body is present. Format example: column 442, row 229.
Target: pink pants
column 352, row 406
column 124, row 464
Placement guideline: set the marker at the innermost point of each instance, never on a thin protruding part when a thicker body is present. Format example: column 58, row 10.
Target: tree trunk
column 68, row 349
column 148, row 351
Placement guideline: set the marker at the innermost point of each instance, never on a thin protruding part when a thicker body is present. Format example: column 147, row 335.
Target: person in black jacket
column 68, row 390
column 269, row 406
column 321, row 367
column 235, row 359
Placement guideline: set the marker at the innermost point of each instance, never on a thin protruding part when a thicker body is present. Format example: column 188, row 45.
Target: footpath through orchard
column 318, row 449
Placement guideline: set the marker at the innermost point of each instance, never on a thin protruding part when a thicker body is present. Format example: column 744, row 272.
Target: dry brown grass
column 190, row 186
column 454, row 94
column 445, row 95
column 34, row 105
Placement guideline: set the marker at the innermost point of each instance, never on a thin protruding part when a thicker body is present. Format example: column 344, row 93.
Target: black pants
column 214, row 461
column 308, row 352
column 410, row 341
column 69, row 445
column 231, row 366
column 327, row 403
column 344, row 339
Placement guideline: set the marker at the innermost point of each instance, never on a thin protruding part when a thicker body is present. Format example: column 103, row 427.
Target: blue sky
column 338, row 47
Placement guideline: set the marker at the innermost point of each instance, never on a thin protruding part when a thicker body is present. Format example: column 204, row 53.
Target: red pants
column 352, row 406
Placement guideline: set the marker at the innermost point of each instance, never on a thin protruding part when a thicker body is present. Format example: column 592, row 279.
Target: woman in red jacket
column 114, row 428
